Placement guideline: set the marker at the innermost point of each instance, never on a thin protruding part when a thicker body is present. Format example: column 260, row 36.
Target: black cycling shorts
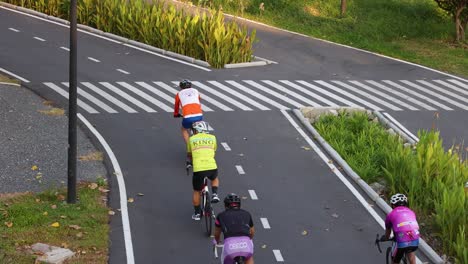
column 197, row 179
column 400, row 251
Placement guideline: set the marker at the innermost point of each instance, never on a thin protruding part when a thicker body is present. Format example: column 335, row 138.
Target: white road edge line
column 122, row 190
column 265, row 223
column 122, row 71
column 239, row 169
column 14, row 75
column 109, row 39
column 253, row 195
column 398, row 124
column 278, row 256
column 40, row 39
column 93, row 59
column 226, row 146
column 7, row 83
column 14, row 29
column 65, row 48
column 343, row 179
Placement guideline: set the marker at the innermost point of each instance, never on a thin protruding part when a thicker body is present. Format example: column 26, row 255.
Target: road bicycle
column 388, row 253
column 237, row 260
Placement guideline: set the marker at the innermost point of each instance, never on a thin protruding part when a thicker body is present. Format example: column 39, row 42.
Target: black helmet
column 232, row 200
column 185, row 84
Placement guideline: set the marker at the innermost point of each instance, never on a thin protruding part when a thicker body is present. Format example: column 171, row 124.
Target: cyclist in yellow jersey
column 201, row 150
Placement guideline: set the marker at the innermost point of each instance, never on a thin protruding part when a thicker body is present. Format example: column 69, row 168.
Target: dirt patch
column 93, row 156
column 310, row 9
column 53, row 112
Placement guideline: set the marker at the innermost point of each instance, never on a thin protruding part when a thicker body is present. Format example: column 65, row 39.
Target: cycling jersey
column 236, row 247
column 188, row 100
column 234, row 223
column 203, row 148
column 405, row 227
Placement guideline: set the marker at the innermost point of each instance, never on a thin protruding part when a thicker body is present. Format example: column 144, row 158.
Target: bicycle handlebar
column 378, row 240
column 215, row 249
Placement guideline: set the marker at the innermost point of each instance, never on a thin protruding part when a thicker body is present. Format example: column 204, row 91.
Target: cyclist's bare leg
column 250, row 261
column 411, row 257
column 215, row 182
column 196, row 198
column 185, row 134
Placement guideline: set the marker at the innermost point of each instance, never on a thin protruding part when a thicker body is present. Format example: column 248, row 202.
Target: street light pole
column 72, row 108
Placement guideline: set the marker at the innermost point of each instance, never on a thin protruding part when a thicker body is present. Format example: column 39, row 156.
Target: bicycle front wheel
column 207, row 214
column 388, row 256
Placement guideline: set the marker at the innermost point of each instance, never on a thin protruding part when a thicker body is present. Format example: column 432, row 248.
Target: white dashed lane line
column 122, row 71
column 239, row 169
column 253, row 195
column 265, row 223
column 278, row 256
column 14, row 29
column 40, row 39
column 65, row 48
column 225, row 146
column 93, row 59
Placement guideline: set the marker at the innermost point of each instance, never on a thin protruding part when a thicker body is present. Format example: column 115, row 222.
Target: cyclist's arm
column 189, row 150
column 388, row 232
column 252, row 229
column 217, row 232
column 176, row 105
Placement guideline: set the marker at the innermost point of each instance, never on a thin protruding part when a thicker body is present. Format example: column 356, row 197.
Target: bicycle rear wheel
column 207, row 213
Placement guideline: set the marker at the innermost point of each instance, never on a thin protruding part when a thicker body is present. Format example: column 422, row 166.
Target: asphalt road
column 296, row 190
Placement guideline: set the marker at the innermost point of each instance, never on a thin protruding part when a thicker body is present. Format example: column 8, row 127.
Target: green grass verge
column 6, row 79
column 26, row 219
column 433, row 178
column 412, row 30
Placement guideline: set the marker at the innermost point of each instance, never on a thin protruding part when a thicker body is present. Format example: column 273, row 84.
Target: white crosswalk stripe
column 264, row 95
column 128, row 97
column 402, row 95
column 384, row 95
column 64, row 93
column 355, row 98
column 223, row 87
column 220, row 95
column 109, row 97
column 441, row 97
column 174, row 92
column 309, row 93
column 394, row 84
column 146, row 96
column 93, row 99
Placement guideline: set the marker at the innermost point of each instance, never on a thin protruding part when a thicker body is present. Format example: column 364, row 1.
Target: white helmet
column 398, row 198
column 200, row 126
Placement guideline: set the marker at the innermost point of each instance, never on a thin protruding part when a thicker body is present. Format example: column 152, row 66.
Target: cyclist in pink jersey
column 402, row 221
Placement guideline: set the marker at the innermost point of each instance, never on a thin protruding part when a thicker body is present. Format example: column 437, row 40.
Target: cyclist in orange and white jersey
column 187, row 105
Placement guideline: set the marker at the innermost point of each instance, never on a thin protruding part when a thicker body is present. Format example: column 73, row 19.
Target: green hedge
column 204, row 37
column 433, row 179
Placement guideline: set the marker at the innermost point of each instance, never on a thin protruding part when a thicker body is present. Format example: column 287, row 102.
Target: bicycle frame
column 393, row 240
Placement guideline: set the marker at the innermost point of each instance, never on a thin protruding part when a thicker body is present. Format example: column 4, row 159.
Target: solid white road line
column 253, row 195
column 402, row 95
column 122, row 71
column 278, row 256
column 122, row 191
column 8, row 83
column 275, row 94
column 14, row 29
column 327, row 93
column 459, row 83
column 265, row 223
column 225, row 146
column 355, row 98
column 109, row 97
column 291, row 93
column 152, row 89
column 93, row 59
column 40, row 39
column 239, row 169
column 128, row 97
column 174, row 91
column 384, row 95
column 259, row 96
column 14, row 75
column 65, row 48
column 337, row 172
column 416, row 94
column 453, row 87
column 398, row 124
column 441, row 97
column 146, row 96
column 93, row 99
column 314, row 95
column 212, row 101
column 223, row 96
column 64, row 93
column 223, row 87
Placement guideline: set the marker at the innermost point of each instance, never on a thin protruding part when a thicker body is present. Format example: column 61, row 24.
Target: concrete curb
column 425, row 248
column 383, row 120
column 123, row 40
